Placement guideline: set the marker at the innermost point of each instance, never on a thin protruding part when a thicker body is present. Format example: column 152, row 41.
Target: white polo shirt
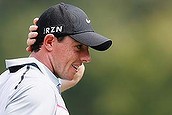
column 30, row 90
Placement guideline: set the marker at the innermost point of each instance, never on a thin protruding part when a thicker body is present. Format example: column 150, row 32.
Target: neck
column 43, row 58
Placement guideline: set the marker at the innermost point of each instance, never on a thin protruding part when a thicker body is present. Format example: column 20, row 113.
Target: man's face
column 67, row 56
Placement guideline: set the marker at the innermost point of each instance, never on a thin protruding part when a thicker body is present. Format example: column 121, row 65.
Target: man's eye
column 79, row 46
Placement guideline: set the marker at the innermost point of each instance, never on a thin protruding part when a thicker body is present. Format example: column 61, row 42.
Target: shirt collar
column 43, row 68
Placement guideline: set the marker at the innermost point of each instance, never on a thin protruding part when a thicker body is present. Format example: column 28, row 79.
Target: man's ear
column 49, row 39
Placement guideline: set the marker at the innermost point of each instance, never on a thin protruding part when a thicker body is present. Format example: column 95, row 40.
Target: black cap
column 65, row 19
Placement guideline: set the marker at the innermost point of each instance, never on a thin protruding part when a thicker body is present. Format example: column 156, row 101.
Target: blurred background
column 134, row 77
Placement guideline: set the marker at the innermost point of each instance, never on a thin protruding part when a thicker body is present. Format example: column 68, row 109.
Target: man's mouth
column 75, row 67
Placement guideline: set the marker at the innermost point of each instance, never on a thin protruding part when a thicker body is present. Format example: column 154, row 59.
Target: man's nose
column 85, row 57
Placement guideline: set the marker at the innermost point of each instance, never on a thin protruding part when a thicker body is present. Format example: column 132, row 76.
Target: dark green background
column 134, row 77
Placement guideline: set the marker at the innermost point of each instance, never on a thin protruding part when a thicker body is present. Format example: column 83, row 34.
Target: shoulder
column 33, row 99
column 36, row 94
column 4, row 74
column 34, row 86
column 4, row 77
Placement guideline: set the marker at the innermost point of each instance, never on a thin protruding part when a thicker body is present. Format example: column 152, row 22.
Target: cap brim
column 94, row 40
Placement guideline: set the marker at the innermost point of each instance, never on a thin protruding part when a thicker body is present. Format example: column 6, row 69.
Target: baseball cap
column 65, row 19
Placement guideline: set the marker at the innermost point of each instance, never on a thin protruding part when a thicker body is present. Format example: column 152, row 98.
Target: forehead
column 72, row 41
column 68, row 41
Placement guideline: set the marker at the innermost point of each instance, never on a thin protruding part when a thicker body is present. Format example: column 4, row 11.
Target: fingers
column 80, row 73
column 66, row 84
column 32, row 35
column 30, row 41
column 35, row 20
column 81, row 68
column 29, row 49
column 33, row 28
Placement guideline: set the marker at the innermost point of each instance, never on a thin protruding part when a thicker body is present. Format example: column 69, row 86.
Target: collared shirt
column 30, row 91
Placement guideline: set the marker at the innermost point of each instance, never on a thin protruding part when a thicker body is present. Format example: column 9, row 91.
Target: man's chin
column 68, row 77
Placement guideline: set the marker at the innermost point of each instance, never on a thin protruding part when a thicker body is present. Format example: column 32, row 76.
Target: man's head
column 64, row 36
column 64, row 19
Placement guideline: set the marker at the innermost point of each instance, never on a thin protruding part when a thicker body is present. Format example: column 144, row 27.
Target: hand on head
column 32, row 35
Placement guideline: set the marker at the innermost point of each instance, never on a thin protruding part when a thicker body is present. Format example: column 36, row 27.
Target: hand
column 79, row 74
column 32, row 35
column 66, row 84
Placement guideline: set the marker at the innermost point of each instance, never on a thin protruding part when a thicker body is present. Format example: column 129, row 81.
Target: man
column 65, row 84
column 30, row 86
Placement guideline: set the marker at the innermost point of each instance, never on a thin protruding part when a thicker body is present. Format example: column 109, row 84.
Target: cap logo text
column 53, row 29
